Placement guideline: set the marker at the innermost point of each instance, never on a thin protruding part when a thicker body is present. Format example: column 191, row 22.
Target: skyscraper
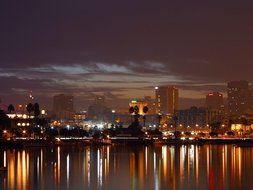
column 238, row 97
column 214, row 100
column 100, row 100
column 215, row 108
column 166, row 100
column 63, row 106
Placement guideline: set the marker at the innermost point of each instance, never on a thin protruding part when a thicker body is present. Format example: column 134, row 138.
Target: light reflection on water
column 139, row 167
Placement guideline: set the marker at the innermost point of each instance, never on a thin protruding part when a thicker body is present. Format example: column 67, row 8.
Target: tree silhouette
column 175, row 119
column 145, row 111
column 36, row 109
column 159, row 117
column 136, row 109
column 11, row 108
column 5, row 121
column 30, row 109
column 216, row 127
column 131, row 110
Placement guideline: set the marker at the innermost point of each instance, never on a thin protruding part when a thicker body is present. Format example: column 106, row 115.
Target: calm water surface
column 125, row 167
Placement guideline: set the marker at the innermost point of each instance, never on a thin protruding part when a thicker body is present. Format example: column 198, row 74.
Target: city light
column 43, row 112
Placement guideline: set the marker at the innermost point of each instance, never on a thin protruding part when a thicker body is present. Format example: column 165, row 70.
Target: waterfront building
column 193, row 117
column 241, row 128
column 80, row 116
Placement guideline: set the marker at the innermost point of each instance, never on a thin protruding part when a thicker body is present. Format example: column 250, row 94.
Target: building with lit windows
column 214, row 100
column 193, row 117
column 166, row 100
column 239, row 97
column 215, row 107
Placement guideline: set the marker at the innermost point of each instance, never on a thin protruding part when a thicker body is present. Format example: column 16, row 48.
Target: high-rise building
column 166, row 100
column 100, row 100
column 215, row 107
column 239, row 97
column 98, row 111
column 63, row 106
column 193, row 117
column 214, row 100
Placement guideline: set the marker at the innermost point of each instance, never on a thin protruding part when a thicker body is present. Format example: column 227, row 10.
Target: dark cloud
column 121, row 46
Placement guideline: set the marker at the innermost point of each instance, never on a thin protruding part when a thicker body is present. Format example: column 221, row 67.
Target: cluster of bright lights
column 71, row 138
column 20, row 116
column 167, row 133
column 23, row 124
column 184, row 138
column 152, row 126
column 98, row 125
column 43, row 112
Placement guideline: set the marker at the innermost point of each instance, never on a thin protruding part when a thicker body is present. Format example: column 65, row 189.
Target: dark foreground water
column 125, row 167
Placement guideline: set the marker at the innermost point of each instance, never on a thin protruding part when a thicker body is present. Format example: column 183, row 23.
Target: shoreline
column 240, row 142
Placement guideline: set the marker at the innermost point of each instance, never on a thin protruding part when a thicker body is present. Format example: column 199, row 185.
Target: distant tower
column 238, row 97
column 214, row 100
column 166, row 99
column 215, row 108
column 63, row 106
column 100, row 100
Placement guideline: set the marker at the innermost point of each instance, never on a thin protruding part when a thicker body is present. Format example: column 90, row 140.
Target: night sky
column 122, row 48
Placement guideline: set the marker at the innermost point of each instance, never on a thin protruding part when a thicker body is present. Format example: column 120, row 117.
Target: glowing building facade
column 139, row 104
column 166, row 100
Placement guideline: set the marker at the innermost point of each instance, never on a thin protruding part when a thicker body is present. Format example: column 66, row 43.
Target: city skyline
column 81, row 104
column 129, row 94
column 123, row 49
